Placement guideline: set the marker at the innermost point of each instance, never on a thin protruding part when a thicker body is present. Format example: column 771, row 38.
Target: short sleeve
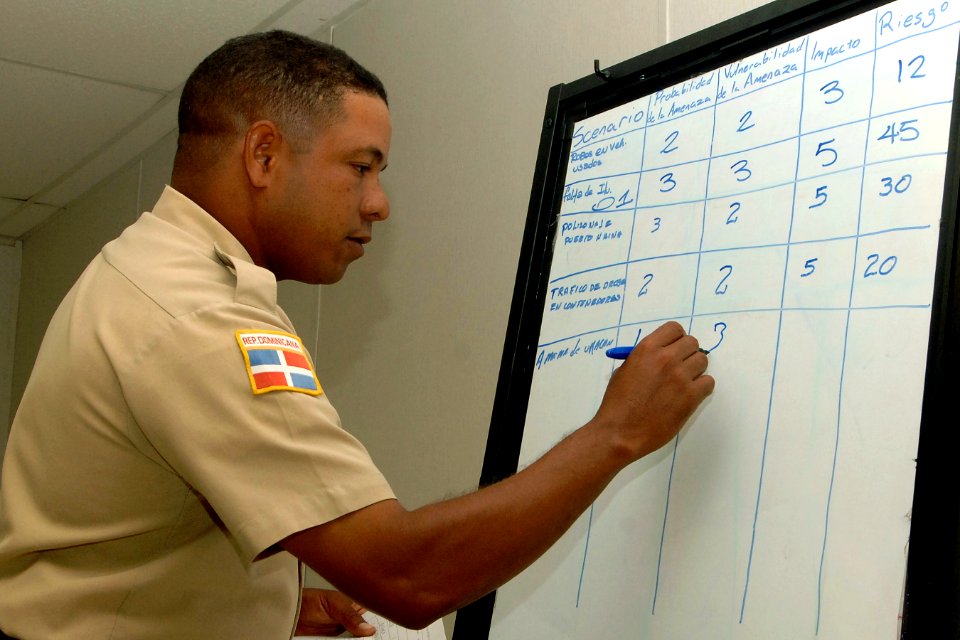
column 270, row 464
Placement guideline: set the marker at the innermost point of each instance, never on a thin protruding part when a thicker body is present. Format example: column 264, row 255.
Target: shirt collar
column 185, row 214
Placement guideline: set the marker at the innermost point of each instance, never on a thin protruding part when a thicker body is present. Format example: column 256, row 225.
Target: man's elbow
column 415, row 608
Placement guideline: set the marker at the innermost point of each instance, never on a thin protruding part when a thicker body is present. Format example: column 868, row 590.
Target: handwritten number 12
column 916, row 64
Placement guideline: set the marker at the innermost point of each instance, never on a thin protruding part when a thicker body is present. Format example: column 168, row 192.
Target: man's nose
column 375, row 204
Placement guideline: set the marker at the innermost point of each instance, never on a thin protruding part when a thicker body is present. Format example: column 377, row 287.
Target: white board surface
column 785, row 209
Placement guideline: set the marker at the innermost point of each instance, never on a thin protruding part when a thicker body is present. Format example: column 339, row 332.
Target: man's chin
column 331, row 276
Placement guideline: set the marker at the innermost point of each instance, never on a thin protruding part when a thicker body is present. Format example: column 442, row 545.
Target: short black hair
column 292, row 80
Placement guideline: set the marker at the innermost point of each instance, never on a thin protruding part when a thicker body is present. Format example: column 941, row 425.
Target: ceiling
column 88, row 85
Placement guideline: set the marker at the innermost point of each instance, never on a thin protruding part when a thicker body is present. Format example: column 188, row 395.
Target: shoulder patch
column 277, row 361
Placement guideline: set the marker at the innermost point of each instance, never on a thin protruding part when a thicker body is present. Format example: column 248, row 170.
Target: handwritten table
column 785, row 210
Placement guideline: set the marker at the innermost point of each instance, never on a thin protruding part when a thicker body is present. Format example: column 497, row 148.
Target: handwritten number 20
column 876, row 267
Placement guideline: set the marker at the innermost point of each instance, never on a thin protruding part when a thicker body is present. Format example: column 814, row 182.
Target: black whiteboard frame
column 932, row 590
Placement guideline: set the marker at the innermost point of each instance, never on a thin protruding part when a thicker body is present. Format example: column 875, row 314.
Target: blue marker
column 621, row 353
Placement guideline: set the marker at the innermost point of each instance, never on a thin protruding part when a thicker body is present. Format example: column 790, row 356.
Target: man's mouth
column 358, row 242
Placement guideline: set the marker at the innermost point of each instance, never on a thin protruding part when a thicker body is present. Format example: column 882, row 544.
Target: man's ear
column 262, row 148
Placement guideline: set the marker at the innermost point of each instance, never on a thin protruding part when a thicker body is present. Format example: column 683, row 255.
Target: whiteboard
column 785, row 208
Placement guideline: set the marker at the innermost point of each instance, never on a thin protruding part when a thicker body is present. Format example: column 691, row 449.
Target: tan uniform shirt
column 148, row 477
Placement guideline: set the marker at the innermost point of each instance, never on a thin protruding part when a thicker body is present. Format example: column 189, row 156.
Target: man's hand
column 657, row 388
column 330, row 613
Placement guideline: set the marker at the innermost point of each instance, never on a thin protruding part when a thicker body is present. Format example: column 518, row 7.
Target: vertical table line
column 846, row 331
column 776, row 354
column 696, row 283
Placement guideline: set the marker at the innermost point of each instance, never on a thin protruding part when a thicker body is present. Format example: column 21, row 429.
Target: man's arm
column 415, row 566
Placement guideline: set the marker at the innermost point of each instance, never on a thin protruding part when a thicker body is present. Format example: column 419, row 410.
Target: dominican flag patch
column 277, row 361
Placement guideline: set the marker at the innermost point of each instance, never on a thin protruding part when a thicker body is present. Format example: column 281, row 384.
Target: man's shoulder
column 177, row 272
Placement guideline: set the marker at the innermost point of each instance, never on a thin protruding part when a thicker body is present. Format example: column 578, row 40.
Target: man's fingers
column 356, row 625
column 672, row 334
column 337, row 608
column 686, row 347
column 666, row 334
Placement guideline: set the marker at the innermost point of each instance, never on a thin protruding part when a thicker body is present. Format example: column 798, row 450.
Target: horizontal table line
column 708, row 314
column 772, row 245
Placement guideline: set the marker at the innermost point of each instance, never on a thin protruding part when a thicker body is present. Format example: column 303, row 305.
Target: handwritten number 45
column 906, row 132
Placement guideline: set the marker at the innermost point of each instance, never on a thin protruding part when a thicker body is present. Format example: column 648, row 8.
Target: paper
column 390, row 631
column 387, row 630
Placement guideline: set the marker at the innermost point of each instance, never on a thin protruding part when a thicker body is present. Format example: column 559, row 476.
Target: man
column 174, row 459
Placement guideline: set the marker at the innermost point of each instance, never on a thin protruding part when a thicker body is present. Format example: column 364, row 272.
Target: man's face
column 322, row 213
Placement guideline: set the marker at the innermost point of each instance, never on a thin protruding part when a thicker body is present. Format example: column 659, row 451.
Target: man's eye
column 361, row 168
